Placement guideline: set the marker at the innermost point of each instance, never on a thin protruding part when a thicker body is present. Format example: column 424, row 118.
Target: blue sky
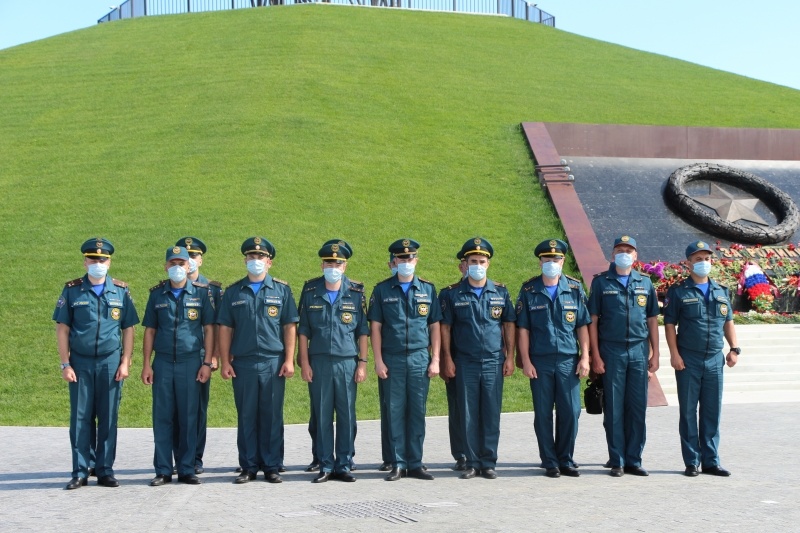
column 755, row 39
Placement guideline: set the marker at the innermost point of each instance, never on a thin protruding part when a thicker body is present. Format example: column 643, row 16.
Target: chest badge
column 192, row 314
column 497, row 312
column 272, row 311
column 723, row 309
column 423, row 309
column 641, row 300
column 347, row 318
column 115, row 313
column 570, row 316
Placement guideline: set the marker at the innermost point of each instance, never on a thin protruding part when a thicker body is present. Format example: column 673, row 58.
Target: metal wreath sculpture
column 776, row 200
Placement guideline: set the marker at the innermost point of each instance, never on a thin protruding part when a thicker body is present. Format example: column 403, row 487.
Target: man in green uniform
column 481, row 317
column 697, row 315
column 179, row 326
column 94, row 319
column 257, row 336
column 404, row 315
column 332, row 352
column 623, row 335
column 197, row 250
column 553, row 343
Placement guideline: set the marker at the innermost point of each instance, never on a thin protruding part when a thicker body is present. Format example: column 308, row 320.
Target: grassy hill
column 299, row 124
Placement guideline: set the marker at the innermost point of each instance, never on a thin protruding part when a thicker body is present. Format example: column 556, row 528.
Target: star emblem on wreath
column 731, row 208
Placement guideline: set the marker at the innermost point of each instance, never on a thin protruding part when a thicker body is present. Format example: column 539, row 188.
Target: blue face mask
column 551, row 269
column 176, row 273
column 192, row 266
column 623, row 260
column 406, row 269
column 702, row 269
column 332, row 275
column 477, row 272
column 256, row 267
column 98, row 270
column 393, row 269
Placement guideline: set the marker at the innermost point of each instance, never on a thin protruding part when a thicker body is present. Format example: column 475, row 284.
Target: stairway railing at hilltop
column 511, row 8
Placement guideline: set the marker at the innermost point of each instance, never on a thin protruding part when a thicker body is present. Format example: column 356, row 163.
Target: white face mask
column 192, row 266
column 551, row 269
column 98, row 270
column 256, row 267
column 176, row 273
column 623, row 260
column 406, row 269
column 477, row 272
column 332, row 275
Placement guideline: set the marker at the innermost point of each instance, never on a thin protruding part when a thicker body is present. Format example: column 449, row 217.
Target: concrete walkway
column 759, row 445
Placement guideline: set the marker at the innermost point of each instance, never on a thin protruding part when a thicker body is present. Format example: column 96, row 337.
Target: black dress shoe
column 716, row 471
column 489, row 473
column 353, row 466
column 199, row 470
column 281, row 469
column 238, row 470
column 569, row 471
column 469, row 473
column 272, row 477
column 313, row 467
column 616, row 471
column 552, row 472
column 76, row 483
column 395, row 474
column 245, row 477
column 691, row 471
column 461, row 464
column 636, row 471
column 160, row 479
column 608, row 464
column 189, row 479
column 345, row 476
column 322, row 477
column 108, row 481
column 385, row 467
column 420, row 473
column 91, row 472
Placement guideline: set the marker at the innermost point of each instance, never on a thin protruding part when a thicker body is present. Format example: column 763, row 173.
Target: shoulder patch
column 202, row 285
column 161, row 284
column 215, row 283
column 282, row 282
column 453, row 286
column 119, row 283
column 425, row 280
column 530, row 280
column 356, row 286
column 498, row 284
column 74, row 283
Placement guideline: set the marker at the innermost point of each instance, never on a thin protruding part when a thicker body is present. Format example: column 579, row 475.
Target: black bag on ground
column 593, row 396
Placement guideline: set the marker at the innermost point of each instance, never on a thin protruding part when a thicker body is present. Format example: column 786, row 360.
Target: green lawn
column 300, row 124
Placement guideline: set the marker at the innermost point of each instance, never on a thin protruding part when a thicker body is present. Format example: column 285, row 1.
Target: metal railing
column 519, row 9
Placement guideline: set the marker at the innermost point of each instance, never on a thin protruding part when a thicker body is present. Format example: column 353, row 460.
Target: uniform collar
column 267, row 281
column 612, row 273
column 414, row 282
column 108, row 285
column 466, row 287
column 711, row 283
column 321, row 291
column 563, row 285
column 189, row 288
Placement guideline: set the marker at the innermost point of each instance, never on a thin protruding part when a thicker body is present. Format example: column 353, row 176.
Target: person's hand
column 528, row 369
column 287, row 369
column 227, row 371
column 433, row 369
column 69, row 375
column 122, row 372
column 731, row 359
column 508, row 368
column 204, row 374
column 361, row 372
column 583, row 367
column 381, row 370
column 598, row 366
column 147, row 375
column 214, row 363
column 448, row 369
column 654, row 364
column 677, row 362
column 306, row 373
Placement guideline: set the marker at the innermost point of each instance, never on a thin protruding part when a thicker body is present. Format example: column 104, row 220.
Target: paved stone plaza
column 759, row 445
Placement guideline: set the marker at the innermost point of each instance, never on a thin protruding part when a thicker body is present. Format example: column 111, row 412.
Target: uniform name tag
column 497, row 301
column 315, row 307
column 389, row 300
column 425, row 300
column 690, row 300
column 641, row 290
column 240, row 302
column 192, row 304
column 79, row 303
column 421, row 295
column 272, row 301
column 538, row 307
column 348, row 307
column 461, row 304
column 162, row 306
column 610, row 292
column 570, row 307
column 115, row 303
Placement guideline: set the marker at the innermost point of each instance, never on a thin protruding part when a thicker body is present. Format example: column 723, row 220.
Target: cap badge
column 701, row 245
column 552, row 244
column 406, row 242
column 188, row 241
column 625, row 238
column 99, row 251
column 552, row 250
column 477, row 241
column 405, row 249
column 176, row 250
column 334, row 247
column 257, row 240
column 99, row 243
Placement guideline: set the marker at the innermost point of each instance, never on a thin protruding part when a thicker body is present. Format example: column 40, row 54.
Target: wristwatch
column 209, row 365
column 65, row 365
column 362, row 360
column 737, row 351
